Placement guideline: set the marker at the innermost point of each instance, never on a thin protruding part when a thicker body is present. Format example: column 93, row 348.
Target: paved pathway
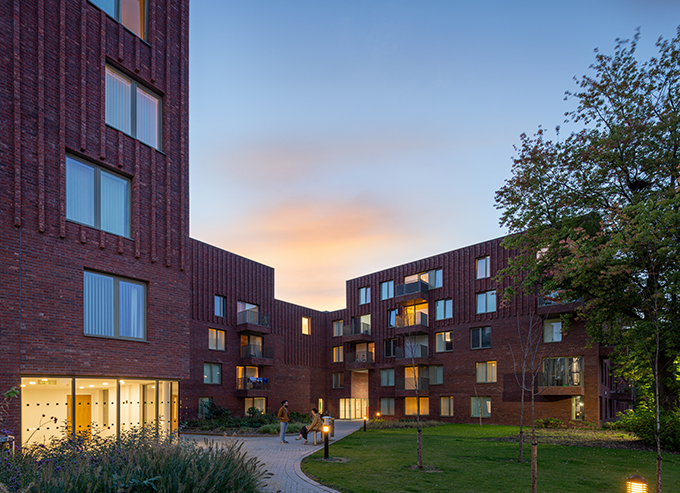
column 283, row 460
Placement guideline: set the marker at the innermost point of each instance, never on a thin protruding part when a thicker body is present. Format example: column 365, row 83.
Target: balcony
column 417, row 291
column 412, row 323
column 356, row 331
column 407, row 386
column 252, row 387
column 360, row 360
column 256, row 355
column 551, row 304
column 412, row 355
column 252, row 322
column 560, row 384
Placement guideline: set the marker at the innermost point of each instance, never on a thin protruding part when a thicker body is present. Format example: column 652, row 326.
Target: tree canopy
column 596, row 214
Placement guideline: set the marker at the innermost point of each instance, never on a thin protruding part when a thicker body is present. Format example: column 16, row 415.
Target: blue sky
column 331, row 139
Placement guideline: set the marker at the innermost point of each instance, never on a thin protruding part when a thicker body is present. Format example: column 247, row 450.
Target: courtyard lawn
column 471, row 461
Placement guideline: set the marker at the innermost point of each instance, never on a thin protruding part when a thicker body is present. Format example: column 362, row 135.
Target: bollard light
column 636, row 484
column 377, row 415
column 326, row 429
column 365, row 419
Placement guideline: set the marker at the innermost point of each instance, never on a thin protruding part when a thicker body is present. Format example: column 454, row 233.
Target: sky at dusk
column 332, row 139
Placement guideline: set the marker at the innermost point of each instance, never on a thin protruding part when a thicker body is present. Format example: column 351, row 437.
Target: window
column 97, row 198
column 247, row 313
column 411, row 409
column 387, row 377
column 132, row 109
column 443, row 341
column 306, row 325
column 361, row 324
column 577, row 408
column 480, row 338
column 212, row 373
column 480, row 406
column 390, row 348
column 338, row 380
column 436, row 375
column 114, row 307
column 337, row 354
column 431, row 277
column 443, row 309
column 483, row 267
column 219, row 306
column 392, row 318
column 259, row 403
column 130, row 13
column 337, row 328
column 387, row 406
column 216, row 339
column 486, row 302
column 205, row 405
column 386, row 290
column 364, row 295
column 414, row 315
column 552, row 331
column 562, row 372
column 446, row 406
column 486, row 371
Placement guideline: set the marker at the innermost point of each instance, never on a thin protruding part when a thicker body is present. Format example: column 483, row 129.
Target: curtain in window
column 114, row 204
column 147, row 118
column 79, row 192
column 131, row 310
column 118, row 101
column 132, row 16
column 99, row 312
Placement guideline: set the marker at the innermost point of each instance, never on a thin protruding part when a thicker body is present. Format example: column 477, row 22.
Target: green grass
column 379, row 460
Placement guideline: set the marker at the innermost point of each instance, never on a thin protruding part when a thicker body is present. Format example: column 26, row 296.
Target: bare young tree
column 413, row 349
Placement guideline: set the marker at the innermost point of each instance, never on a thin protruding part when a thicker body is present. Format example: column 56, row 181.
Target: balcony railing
column 355, row 328
column 360, row 357
column 412, row 319
column 257, row 351
column 410, row 288
column 252, row 383
column 422, row 383
column 253, row 317
column 412, row 351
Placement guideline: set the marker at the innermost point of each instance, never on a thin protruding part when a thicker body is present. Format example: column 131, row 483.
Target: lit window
column 444, row 341
column 480, row 406
column 306, row 325
column 132, row 109
column 486, row 302
column 212, row 373
column 387, row 406
column 433, row 278
column 97, row 198
column 446, row 406
column 219, row 306
column 486, row 372
column 562, row 372
column 390, row 348
column 443, row 309
column 577, row 408
column 338, row 380
column 387, row 377
column 552, row 331
column 386, row 290
column 114, row 307
column 259, row 403
column 480, row 338
column 216, row 339
column 130, row 13
column 436, row 375
column 411, row 408
column 483, row 267
column 337, row 354
column 364, row 295
column 337, row 328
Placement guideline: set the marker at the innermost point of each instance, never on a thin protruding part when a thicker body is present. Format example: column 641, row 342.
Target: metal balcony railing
column 360, row 357
column 412, row 351
column 422, row 383
column 252, row 383
column 412, row 319
column 355, row 328
column 257, row 351
column 410, row 288
column 252, row 317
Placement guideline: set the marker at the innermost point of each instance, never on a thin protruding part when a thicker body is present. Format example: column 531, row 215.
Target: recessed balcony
column 252, row 322
column 412, row 355
column 417, row 291
column 356, row 331
column 412, row 323
column 408, row 386
column 360, row 360
column 256, row 355
column 252, row 387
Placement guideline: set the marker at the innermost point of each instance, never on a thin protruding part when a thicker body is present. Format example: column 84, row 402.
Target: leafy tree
column 597, row 214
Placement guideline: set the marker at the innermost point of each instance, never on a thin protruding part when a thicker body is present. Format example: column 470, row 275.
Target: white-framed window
column 392, row 318
column 97, row 198
column 114, row 306
column 446, row 406
column 212, row 373
column 578, row 410
column 480, row 405
column 486, row 371
column 443, row 341
column 432, row 277
column 391, row 348
column 337, row 354
column 386, row 290
column 387, row 406
column 219, row 305
column 132, row 109
column 338, row 380
column 562, row 372
column 387, row 377
column 216, row 339
column 443, row 309
column 486, row 302
column 436, row 374
column 337, row 328
column 483, row 267
column 552, row 331
column 364, row 295
column 306, row 325
column 204, row 407
column 131, row 13
column 480, row 338
column 411, row 409
column 259, row 403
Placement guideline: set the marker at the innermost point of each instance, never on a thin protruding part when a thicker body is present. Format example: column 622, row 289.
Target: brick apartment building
column 112, row 316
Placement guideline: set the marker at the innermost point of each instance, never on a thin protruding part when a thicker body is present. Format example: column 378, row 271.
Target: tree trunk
column 657, row 382
column 521, row 417
column 420, row 449
column 534, row 443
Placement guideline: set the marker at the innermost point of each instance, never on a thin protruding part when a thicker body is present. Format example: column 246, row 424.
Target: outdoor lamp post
column 636, row 484
column 377, row 415
column 325, row 440
column 365, row 419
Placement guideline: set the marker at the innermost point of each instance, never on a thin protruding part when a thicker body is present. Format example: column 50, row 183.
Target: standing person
column 283, row 419
column 314, row 427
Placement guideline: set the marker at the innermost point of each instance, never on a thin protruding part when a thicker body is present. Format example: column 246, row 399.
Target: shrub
column 297, row 417
column 642, row 422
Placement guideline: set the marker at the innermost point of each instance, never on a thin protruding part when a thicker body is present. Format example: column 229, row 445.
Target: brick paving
column 283, row 460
